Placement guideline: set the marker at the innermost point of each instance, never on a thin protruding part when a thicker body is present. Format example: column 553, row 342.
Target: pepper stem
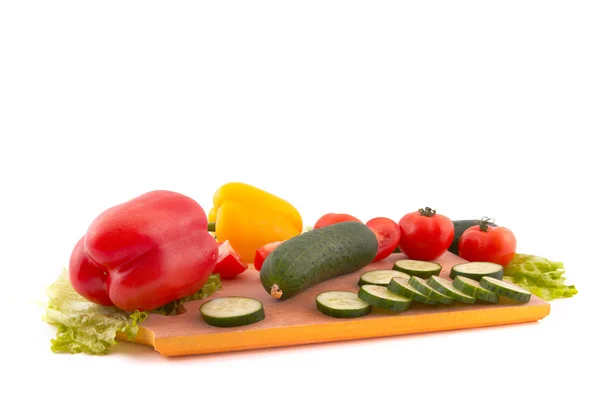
column 484, row 223
column 212, row 226
column 276, row 292
column 426, row 212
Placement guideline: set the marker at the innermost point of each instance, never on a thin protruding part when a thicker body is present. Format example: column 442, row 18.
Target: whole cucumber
column 460, row 226
column 316, row 256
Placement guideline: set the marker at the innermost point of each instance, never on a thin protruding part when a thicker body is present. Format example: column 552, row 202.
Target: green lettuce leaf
column 540, row 276
column 86, row 327
column 210, row 287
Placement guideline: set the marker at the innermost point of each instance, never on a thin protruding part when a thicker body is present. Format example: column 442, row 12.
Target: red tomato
column 388, row 236
column 484, row 242
column 333, row 218
column 425, row 235
column 229, row 263
column 262, row 253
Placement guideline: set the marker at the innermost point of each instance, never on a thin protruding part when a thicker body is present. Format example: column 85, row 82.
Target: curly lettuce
column 86, row 327
column 540, row 276
column 210, row 287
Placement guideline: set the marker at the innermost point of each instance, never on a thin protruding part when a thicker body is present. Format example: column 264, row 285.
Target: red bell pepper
column 262, row 253
column 144, row 253
column 229, row 262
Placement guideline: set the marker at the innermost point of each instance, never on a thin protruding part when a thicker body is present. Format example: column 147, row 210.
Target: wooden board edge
column 144, row 336
column 342, row 331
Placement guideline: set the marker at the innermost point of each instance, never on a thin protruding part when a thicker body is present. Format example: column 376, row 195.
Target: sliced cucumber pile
column 419, row 281
column 505, row 289
column 403, row 288
column 422, row 269
column 380, row 297
column 445, row 287
column 342, row 304
column 381, row 277
column 421, row 285
column 477, row 270
column 473, row 288
column 232, row 311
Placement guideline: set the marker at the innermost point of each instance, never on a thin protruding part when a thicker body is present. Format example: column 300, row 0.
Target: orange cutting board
column 297, row 321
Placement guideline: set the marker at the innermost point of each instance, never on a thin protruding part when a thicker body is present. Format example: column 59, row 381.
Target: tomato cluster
column 426, row 235
column 421, row 235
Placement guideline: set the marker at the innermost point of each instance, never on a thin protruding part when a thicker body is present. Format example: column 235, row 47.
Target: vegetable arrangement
column 398, row 293
column 155, row 253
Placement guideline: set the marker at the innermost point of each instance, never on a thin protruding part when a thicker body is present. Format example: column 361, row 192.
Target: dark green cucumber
column 342, row 304
column 381, row 277
column 232, row 311
column 473, row 288
column 421, row 285
column 477, row 270
column 505, row 289
column 316, row 256
column 422, row 269
column 379, row 297
column 403, row 288
column 445, row 287
column 460, row 226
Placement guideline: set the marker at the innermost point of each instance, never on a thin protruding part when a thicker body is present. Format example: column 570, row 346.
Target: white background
column 370, row 108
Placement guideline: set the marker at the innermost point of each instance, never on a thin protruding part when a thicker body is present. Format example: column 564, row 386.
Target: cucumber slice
column 477, row 270
column 380, row 297
column 341, row 304
column 403, row 288
column 381, row 277
column 422, row 269
column 445, row 287
column 232, row 311
column 421, row 285
column 473, row 288
column 505, row 289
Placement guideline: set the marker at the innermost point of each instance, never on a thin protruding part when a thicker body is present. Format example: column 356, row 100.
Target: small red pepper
column 262, row 253
column 229, row 262
column 144, row 253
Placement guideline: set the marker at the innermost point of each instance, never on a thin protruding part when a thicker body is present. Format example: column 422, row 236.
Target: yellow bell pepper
column 250, row 218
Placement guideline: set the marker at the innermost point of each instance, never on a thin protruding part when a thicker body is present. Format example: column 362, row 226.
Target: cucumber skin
column 363, row 282
column 435, row 295
column 465, row 298
column 453, row 274
column 342, row 313
column 318, row 255
column 500, row 291
column 460, row 226
column 416, row 297
column 484, row 295
column 233, row 322
column 420, row 274
column 385, row 304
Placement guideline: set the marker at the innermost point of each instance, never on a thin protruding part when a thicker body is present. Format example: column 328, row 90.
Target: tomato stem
column 484, row 224
column 426, row 212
